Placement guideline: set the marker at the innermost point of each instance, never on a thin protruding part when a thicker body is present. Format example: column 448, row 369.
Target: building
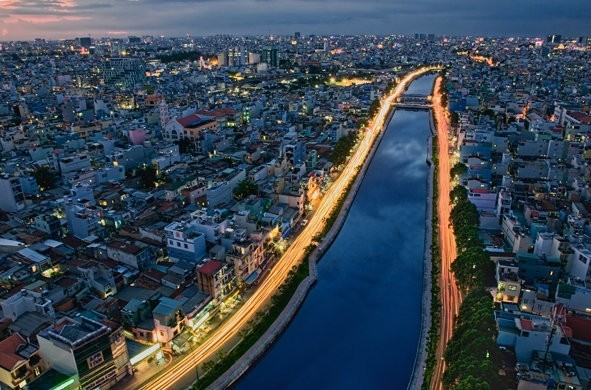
column 295, row 153
column 246, row 256
column 270, row 56
column 168, row 319
column 27, row 301
column 85, row 42
column 574, row 294
column 82, row 221
column 99, row 278
column 20, row 362
column 49, row 224
column 483, row 199
column 92, row 350
column 578, row 265
column 216, row 278
column 527, row 333
column 189, row 127
column 137, row 255
column 542, row 271
column 508, row 283
column 184, row 242
column 123, row 72
column 13, row 197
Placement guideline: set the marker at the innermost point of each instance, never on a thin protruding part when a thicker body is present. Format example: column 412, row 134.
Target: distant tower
column 164, row 113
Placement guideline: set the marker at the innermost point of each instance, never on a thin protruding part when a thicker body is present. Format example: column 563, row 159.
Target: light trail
column 293, row 255
column 451, row 297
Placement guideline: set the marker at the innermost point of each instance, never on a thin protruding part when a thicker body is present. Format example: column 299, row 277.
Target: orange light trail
column 451, row 297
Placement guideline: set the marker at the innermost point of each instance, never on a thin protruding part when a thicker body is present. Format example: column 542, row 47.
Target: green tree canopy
column 374, row 108
column 147, row 176
column 342, row 148
column 472, row 355
column 245, row 188
column 458, row 170
column 45, row 177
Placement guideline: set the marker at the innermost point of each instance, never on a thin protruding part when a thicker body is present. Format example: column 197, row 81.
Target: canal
column 359, row 326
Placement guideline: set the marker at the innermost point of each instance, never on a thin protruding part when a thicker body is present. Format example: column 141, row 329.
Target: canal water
column 359, row 326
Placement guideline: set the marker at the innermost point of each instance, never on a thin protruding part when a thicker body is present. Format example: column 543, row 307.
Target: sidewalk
column 145, row 370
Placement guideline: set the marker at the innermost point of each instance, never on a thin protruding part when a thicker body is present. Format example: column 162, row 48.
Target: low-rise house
column 185, row 242
column 138, row 255
column 20, row 362
column 527, row 333
column 168, row 320
column 508, row 283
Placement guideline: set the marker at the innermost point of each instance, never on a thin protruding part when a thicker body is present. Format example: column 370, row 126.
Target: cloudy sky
column 28, row 19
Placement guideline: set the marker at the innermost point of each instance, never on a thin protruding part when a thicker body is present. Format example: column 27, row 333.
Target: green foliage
column 179, row 56
column 342, row 148
column 458, row 170
column 454, row 118
column 147, row 176
column 245, row 188
column 472, row 355
column 465, row 265
column 374, row 108
column 472, row 268
column 471, row 383
column 433, row 336
column 45, row 177
column 488, row 112
column 443, row 89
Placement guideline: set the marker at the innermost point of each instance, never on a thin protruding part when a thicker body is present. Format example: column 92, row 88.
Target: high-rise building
column 553, row 38
column 223, row 59
column 237, row 56
column 85, row 42
column 133, row 40
column 92, row 350
column 270, row 56
column 124, row 72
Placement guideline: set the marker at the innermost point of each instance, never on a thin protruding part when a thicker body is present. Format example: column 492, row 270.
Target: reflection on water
column 359, row 327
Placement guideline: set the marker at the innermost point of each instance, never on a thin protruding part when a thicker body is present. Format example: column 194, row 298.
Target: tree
column 45, row 177
column 458, row 194
column 472, row 355
column 458, row 170
column 373, row 108
column 147, row 176
column 342, row 148
column 454, row 118
column 245, row 188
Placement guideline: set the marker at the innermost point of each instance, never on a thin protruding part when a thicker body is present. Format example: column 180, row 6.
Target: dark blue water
column 359, row 326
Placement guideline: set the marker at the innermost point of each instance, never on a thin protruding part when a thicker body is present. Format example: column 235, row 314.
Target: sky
column 58, row 19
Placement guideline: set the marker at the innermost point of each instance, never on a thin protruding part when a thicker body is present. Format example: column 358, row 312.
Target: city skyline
column 58, row 19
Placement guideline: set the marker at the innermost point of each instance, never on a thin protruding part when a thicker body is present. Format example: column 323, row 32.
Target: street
column 450, row 294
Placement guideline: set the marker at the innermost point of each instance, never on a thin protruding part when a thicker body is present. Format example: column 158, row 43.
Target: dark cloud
column 207, row 17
